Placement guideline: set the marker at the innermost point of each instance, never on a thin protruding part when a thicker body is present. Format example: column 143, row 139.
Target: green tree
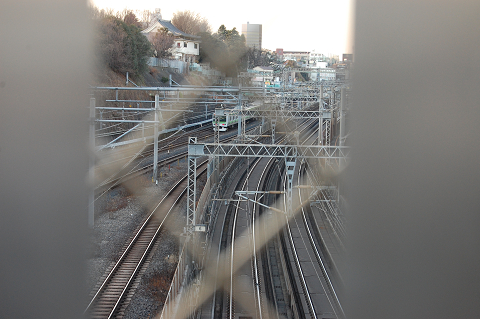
column 222, row 33
column 213, row 51
column 261, row 57
column 137, row 47
column 225, row 50
column 121, row 46
column 131, row 19
column 109, row 44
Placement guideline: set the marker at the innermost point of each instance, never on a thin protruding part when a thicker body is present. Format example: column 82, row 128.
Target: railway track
column 315, row 291
column 253, row 286
column 245, row 280
column 312, row 291
column 112, row 295
column 131, row 165
column 142, row 161
column 245, row 292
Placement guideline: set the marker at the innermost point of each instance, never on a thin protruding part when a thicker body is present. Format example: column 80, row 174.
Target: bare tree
column 131, row 19
column 162, row 42
column 145, row 17
column 190, row 22
column 96, row 13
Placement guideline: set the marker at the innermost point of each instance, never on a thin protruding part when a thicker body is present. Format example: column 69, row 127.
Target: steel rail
column 138, row 169
column 260, row 185
column 335, row 303
column 220, row 242
column 130, row 246
column 232, row 246
column 336, row 221
column 116, row 180
column 301, row 275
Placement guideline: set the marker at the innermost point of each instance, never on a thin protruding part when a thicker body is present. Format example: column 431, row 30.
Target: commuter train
column 230, row 120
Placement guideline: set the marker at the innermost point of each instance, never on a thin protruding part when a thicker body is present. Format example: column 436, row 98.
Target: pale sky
column 318, row 25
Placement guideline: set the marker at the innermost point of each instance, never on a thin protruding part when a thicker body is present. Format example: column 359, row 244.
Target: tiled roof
column 171, row 28
column 266, row 68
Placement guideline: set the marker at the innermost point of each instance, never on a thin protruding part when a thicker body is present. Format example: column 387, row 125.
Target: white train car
column 229, row 121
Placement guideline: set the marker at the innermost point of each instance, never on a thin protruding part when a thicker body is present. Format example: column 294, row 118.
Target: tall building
column 253, row 35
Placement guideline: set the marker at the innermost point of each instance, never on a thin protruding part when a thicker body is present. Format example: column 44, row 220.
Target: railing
column 168, row 310
column 181, row 66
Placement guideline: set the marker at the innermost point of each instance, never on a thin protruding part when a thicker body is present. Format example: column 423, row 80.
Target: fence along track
column 114, row 288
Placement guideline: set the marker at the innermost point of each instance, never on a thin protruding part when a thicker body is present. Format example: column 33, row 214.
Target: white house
column 186, row 47
column 264, row 76
column 326, row 74
column 265, row 71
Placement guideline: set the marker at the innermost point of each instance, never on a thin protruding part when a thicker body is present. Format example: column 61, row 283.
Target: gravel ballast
column 118, row 216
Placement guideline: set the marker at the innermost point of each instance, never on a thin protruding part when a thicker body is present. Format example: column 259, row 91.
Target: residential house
column 186, row 47
column 264, row 76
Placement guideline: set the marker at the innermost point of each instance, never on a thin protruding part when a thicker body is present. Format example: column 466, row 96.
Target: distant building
column 323, row 73
column 186, row 46
column 253, row 35
column 301, row 57
column 265, row 71
column 315, row 58
column 264, row 76
column 347, row 57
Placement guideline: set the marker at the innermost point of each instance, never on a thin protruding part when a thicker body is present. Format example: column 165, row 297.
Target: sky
column 321, row 26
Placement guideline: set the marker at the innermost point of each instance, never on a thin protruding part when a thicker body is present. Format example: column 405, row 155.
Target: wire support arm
column 269, row 150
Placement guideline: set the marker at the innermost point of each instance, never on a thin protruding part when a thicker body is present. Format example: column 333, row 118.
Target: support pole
column 192, row 187
column 332, row 95
column 216, row 140
column 342, row 116
column 274, row 123
column 341, row 162
column 320, row 120
column 290, row 163
column 155, row 140
column 327, row 120
column 91, row 172
column 239, row 133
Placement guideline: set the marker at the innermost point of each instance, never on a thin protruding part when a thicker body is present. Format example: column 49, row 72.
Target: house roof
column 171, row 28
column 264, row 68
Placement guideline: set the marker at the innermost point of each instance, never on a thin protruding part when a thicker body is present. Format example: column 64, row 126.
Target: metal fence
column 180, row 66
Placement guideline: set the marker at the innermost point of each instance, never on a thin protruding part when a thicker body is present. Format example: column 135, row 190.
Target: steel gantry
column 269, row 150
column 290, row 153
column 192, row 184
